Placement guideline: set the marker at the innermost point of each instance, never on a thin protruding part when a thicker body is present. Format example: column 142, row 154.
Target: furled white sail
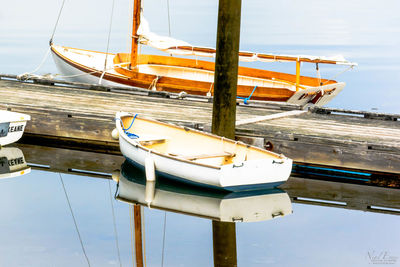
column 178, row 47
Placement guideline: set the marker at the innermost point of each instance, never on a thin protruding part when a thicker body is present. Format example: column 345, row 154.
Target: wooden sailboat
column 176, row 74
column 198, row 157
column 12, row 126
column 220, row 205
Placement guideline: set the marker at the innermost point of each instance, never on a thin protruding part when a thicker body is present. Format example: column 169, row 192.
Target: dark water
column 37, row 227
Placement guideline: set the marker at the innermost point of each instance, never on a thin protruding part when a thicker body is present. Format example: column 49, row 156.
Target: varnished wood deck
column 83, row 118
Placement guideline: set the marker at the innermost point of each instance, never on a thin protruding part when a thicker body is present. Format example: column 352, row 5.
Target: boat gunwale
column 131, row 141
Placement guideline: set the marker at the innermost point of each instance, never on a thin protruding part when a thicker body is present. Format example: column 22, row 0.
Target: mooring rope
column 73, row 217
column 115, row 226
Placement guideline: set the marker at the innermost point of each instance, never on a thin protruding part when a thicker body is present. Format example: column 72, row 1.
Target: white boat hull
column 12, row 126
column 240, row 175
column 91, row 75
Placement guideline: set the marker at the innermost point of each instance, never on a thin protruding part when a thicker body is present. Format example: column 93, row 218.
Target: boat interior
column 180, row 143
column 199, row 70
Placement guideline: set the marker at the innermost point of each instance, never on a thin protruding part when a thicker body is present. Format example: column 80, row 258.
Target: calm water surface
column 37, row 228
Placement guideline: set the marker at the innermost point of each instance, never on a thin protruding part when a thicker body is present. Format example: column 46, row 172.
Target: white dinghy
column 12, row 126
column 12, row 163
column 214, row 204
column 198, row 157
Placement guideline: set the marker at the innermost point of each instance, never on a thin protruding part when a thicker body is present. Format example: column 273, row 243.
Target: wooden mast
column 135, row 25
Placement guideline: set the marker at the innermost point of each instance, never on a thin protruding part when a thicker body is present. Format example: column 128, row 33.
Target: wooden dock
column 81, row 117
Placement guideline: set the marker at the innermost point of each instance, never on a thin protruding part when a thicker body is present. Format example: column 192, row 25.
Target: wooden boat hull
column 244, row 168
column 249, row 206
column 191, row 76
column 12, row 126
column 12, row 163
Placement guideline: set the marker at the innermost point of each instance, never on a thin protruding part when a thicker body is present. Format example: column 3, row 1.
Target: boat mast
column 135, row 25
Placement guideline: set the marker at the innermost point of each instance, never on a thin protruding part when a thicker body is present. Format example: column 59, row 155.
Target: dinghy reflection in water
column 12, row 126
column 12, row 163
column 198, row 157
column 215, row 204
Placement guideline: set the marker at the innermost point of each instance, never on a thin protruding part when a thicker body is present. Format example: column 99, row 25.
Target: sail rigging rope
column 55, row 26
column 163, row 241
column 169, row 20
column 115, row 226
column 132, row 234
column 73, row 217
column 337, row 75
column 108, row 38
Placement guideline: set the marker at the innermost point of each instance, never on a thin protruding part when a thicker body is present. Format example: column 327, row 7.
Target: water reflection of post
column 224, row 243
column 137, row 215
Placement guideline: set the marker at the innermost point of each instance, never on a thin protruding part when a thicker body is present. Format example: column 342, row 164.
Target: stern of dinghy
column 255, row 174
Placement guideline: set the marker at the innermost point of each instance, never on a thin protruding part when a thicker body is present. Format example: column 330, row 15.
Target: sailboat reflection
column 12, row 162
column 215, row 204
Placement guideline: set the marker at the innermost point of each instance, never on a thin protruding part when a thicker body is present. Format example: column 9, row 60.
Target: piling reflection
column 215, row 204
column 12, row 162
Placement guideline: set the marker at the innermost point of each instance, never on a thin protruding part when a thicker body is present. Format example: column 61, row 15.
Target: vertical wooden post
column 226, row 68
column 137, row 215
column 297, row 74
column 224, row 111
column 135, row 25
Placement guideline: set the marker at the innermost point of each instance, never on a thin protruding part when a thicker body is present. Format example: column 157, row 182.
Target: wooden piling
column 226, row 68
column 224, row 111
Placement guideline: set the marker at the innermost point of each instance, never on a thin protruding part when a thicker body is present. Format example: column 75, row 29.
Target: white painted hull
column 239, row 175
column 12, row 163
column 12, row 126
column 228, row 207
column 92, row 59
